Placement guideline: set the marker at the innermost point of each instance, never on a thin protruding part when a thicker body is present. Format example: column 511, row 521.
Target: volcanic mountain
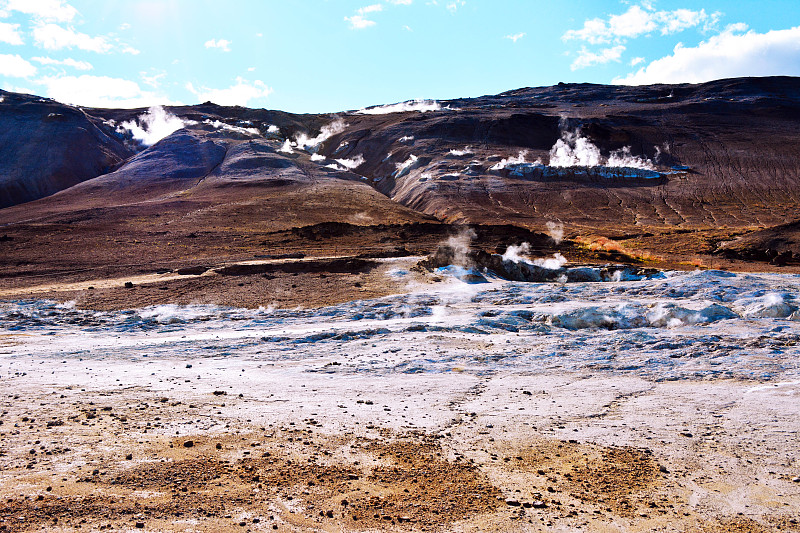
column 669, row 172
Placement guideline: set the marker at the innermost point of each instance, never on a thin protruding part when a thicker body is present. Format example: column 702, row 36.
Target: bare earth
column 291, row 437
column 240, row 443
column 432, row 454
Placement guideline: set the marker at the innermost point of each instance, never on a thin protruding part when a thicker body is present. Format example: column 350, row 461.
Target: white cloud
column 712, row 23
column 154, row 79
column 128, row 49
column 682, row 19
column 374, row 8
column 222, row 44
column 587, row 58
column 9, row 34
column 636, row 60
column 594, row 31
column 124, row 26
column 55, row 10
column 16, row 67
column 638, row 21
column 17, row 88
column 77, row 65
column 728, row 54
column 358, row 22
column 54, row 37
column 516, row 37
column 634, row 22
column 453, row 6
column 239, row 93
column 737, row 27
column 99, row 91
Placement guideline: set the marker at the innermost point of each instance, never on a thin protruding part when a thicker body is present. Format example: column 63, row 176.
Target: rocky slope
column 46, row 147
column 670, row 171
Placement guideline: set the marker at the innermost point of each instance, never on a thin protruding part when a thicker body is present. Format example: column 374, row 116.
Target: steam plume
column 556, row 231
column 154, row 125
column 411, row 105
column 574, row 150
column 304, row 142
column 514, row 252
column 352, row 163
column 286, row 148
column 460, row 245
column 623, row 158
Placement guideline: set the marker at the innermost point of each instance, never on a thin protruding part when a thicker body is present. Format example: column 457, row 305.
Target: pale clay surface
column 700, row 368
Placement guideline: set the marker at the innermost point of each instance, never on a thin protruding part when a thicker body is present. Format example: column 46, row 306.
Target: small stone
column 129, row 457
column 539, row 504
column 188, row 444
column 513, row 503
column 129, row 285
column 796, row 479
column 188, row 366
column 219, row 446
column 140, row 525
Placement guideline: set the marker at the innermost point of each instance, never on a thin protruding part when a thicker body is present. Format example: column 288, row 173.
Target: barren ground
column 244, row 442
column 476, row 455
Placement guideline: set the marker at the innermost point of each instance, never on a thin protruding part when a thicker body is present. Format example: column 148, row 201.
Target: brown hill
column 667, row 171
column 46, row 147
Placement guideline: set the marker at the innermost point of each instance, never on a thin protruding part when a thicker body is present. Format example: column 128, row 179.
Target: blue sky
column 332, row 55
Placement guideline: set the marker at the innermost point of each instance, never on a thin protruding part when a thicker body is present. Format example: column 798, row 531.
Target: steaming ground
column 678, row 326
column 666, row 403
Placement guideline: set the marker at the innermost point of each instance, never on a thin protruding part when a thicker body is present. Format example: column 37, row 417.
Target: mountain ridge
column 675, row 173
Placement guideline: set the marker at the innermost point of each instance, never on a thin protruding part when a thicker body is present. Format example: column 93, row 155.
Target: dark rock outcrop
column 46, row 147
column 778, row 245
